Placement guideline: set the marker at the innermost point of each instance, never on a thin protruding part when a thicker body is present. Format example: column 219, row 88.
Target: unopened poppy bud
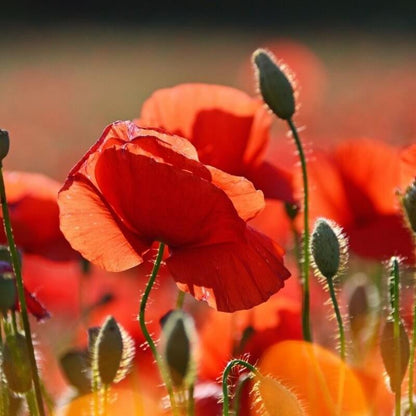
column 8, row 292
column 328, row 248
column 16, row 364
column 409, row 205
column 390, row 354
column 112, row 353
column 4, row 144
column 275, row 87
column 178, row 339
column 273, row 398
column 75, row 366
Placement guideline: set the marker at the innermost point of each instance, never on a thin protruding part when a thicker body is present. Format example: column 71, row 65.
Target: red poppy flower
column 229, row 129
column 356, row 186
column 35, row 216
column 136, row 186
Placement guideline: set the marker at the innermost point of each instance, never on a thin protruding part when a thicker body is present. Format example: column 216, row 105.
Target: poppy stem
column 142, row 321
column 225, row 374
column 306, row 328
column 180, row 299
column 394, row 298
column 21, row 294
column 412, row 410
column 338, row 316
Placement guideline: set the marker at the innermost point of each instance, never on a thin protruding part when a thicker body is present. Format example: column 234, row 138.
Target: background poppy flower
column 34, row 215
column 136, row 186
column 356, row 186
column 229, row 129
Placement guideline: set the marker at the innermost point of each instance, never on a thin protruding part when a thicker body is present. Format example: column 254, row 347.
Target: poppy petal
column 86, row 218
column 247, row 201
column 275, row 182
column 228, row 127
column 231, row 276
column 163, row 202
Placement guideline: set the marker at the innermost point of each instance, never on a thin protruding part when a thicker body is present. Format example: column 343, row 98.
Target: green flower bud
column 76, row 368
column 274, row 86
column 112, row 353
column 390, row 354
column 4, row 144
column 16, row 364
column 409, row 206
column 8, row 292
column 328, row 248
column 177, row 344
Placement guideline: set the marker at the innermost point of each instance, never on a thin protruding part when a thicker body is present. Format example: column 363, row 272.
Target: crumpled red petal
column 233, row 276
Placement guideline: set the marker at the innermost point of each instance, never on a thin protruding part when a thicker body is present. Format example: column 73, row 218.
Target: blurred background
column 70, row 68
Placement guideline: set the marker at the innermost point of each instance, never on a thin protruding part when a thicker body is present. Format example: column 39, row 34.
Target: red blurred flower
column 356, row 187
column 35, row 216
column 32, row 303
column 229, row 129
column 136, row 186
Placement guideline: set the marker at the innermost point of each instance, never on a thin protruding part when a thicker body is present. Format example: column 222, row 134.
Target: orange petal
column 247, row 201
column 324, row 384
column 92, row 229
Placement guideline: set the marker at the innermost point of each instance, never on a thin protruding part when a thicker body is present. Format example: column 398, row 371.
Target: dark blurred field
column 61, row 87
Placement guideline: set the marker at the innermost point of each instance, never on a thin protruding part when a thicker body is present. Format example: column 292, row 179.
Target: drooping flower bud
column 4, row 144
column 363, row 305
column 16, row 363
column 329, row 248
column 76, row 368
column 409, row 206
column 394, row 354
column 274, row 399
column 112, row 353
column 177, row 347
column 274, row 85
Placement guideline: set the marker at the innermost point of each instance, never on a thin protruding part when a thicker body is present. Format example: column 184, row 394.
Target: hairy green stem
column 226, row 373
column 412, row 408
column 395, row 301
column 306, row 327
column 338, row 316
column 21, row 294
column 142, row 321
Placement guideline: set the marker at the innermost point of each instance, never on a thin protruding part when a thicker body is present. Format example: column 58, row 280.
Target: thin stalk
column 142, row 321
column 106, row 391
column 412, row 409
column 191, row 401
column 226, row 373
column 180, row 299
column 4, row 400
column 237, row 395
column 306, row 256
column 338, row 316
column 20, row 290
column 396, row 332
column 31, row 403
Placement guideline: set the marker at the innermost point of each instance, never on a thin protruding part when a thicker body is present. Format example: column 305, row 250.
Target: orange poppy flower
column 323, row 383
column 137, row 185
column 356, row 187
column 35, row 216
column 229, row 129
